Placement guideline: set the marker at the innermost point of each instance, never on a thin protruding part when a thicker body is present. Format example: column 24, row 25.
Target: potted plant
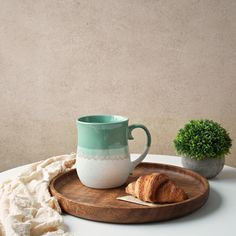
column 203, row 145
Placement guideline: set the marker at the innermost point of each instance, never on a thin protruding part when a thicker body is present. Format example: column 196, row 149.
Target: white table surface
column 216, row 217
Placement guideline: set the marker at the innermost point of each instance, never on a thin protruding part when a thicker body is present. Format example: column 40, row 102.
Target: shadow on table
column 228, row 175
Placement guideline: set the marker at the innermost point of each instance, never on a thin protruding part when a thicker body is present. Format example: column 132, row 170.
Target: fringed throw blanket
column 26, row 206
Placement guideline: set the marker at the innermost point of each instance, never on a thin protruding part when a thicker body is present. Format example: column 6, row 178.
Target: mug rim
column 121, row 119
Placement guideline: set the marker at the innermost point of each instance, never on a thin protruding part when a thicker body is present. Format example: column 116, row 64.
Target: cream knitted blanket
column 26, row 206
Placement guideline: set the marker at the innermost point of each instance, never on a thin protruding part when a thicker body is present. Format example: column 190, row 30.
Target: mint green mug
column 103, row 159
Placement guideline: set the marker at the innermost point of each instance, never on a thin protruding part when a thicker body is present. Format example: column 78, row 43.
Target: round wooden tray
column 102, row 205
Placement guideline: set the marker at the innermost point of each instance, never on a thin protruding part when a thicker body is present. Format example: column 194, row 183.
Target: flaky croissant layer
column 156, row 188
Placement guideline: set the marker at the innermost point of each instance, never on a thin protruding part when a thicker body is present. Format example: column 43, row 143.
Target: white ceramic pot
column 208, row 168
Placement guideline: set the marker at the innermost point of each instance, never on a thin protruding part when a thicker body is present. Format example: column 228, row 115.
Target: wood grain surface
column 102, row 205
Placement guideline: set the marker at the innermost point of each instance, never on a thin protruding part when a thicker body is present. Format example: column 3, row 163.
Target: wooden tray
column 102, row 205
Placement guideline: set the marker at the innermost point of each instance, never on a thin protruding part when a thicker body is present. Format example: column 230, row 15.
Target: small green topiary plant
column 200, row 139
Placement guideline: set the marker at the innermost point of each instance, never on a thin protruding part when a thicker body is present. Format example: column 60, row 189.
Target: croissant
column 156, row 188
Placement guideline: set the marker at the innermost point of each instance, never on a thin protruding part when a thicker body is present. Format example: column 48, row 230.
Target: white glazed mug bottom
column 103, row 174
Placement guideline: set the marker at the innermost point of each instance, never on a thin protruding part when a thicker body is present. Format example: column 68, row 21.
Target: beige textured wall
column 160, row 63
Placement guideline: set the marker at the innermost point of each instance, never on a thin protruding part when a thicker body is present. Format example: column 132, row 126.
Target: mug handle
column 148, row 143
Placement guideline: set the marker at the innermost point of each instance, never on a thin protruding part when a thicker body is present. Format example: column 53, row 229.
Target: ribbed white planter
column 208, row 168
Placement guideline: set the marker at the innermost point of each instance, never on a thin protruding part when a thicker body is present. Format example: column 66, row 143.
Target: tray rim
column 195, row 175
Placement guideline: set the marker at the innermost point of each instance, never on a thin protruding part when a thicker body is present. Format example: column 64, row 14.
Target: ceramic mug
column 103, row 159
